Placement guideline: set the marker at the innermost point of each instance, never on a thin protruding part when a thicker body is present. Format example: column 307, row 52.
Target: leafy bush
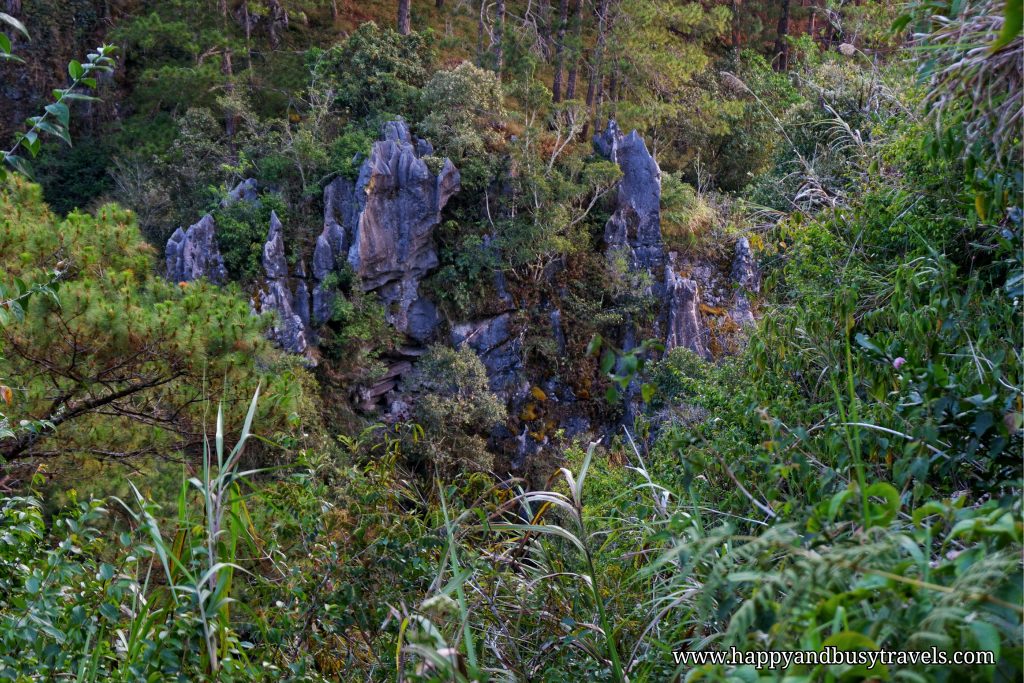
column 463, row 107
column 350, row 149
column 686, row 217
column 358, row 332
column 378, row 71
column 455, row 408
column 241, row 232
column 90, row 597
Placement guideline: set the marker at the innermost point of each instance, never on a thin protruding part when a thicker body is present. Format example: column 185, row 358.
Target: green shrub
column 378, row 71
column 349, row 149
column 242, row 231
column 456, row 409
column 686, row 217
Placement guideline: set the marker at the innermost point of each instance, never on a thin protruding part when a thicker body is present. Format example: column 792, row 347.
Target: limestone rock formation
column 635, row 226
column 685, row 327
column 245, row 191
column 275, row 264
column 636, row 222
column 382, row 226
column 193, row 254
column 744, row 266
column 747, row 277
column 289, row 327
column 500, row 347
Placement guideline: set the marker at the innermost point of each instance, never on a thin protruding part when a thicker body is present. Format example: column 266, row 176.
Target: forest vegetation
column 509, row 340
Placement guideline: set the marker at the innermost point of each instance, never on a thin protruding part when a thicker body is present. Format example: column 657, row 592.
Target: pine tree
column 126, row 360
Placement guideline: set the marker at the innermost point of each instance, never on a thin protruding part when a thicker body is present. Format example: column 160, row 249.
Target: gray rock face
column 301, row 300
column 291, row 311
column 500, row 348
column 274, row 262
column 685, row 327
column 636, row 222
column 557, row 331
column 382, row 225
column 747, row 277
column 744, row 266
column 193, row 254
column 245, row 191
column 288, row 329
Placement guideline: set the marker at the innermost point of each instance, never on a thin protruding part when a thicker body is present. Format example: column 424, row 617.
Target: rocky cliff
column 378, row 233
column 381, row 225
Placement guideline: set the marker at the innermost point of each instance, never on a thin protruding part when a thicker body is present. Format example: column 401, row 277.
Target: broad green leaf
column 880, row 514
column 55, row 129
column 19, row 164
column 60, row 111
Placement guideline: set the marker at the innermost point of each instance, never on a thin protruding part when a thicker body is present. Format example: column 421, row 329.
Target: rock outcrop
column 382, row 226
column 747, row 277
column 635, row 226
column 500, row 347
column 685, row 327
column 289, row 326
column 193, row 254
column 636, row 222
column 245, row 191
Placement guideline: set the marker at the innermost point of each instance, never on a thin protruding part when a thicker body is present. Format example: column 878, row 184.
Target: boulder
column 193, row 254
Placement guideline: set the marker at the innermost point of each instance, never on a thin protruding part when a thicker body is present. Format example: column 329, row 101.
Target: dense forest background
column 364, row 340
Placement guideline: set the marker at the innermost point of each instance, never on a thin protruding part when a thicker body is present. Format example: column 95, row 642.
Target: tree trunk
column 736, row 25
column 230, row 116
column 248, row 36
column 563, row 17
column 439, row 4
column 499, row 35
column 543, row 23
column 597, row 69
column 574, row 56
column 480, row 35
column 404, row 19
column 781, row 44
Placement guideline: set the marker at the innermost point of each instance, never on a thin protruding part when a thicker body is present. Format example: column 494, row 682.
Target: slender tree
column 781, row 57
column 574, row 54
column 736, row 36
column 499, row 35
column 563, row 18
column 404, row 19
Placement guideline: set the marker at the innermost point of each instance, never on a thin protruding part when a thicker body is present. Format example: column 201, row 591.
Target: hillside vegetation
column 474, row 340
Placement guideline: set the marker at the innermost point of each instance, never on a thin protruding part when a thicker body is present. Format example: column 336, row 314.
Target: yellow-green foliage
column 126, row 361
column 685, row 216
column 456, row 410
